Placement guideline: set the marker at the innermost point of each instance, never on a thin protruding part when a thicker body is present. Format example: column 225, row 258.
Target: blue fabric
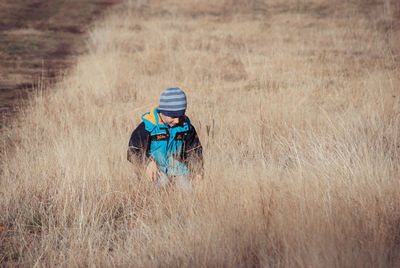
column 167, row 151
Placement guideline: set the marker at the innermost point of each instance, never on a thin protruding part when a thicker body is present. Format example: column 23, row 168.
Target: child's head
column 173, row 102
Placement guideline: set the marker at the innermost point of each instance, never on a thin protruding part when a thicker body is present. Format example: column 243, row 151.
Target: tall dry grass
column 296, row 104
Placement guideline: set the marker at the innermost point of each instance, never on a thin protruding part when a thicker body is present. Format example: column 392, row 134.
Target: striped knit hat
column 173, row 102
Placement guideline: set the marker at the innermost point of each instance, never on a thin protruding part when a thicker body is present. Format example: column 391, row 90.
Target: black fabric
column 159, row 137
column 139, row 144
column 193, row 151
column 179, row 136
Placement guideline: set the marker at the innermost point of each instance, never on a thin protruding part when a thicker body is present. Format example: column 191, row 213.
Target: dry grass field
column 297, row 104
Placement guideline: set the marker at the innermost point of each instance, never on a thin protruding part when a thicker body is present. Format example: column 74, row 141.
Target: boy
column 166, row 142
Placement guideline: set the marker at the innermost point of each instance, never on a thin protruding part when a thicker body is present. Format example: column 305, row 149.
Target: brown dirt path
column 40, row 38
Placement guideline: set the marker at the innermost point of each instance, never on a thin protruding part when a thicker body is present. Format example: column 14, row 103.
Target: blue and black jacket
column 177, row 150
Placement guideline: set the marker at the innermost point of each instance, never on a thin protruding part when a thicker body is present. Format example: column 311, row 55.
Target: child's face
column 171, row 121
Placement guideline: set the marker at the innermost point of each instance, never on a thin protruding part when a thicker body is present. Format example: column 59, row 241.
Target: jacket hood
column 152, row 119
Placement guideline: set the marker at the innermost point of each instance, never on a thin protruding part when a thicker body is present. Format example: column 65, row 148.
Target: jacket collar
column 152, row 119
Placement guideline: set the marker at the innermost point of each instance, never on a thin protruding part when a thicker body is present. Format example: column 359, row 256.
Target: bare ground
column 39, row 40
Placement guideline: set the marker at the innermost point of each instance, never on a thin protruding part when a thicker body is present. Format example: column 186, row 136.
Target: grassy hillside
column 296, row 104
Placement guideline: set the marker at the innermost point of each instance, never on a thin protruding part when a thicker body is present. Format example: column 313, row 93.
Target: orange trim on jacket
column 152, row 118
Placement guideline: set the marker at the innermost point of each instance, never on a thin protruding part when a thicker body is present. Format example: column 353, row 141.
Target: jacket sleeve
column 193, row 152
column 138, row 145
